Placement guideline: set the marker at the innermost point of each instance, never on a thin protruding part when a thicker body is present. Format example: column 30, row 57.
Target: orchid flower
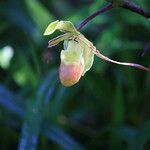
column 78, row 54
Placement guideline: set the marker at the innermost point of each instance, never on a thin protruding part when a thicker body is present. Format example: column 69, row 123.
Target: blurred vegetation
column 108, row 109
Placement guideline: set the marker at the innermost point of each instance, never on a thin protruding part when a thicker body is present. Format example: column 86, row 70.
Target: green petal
column 58, row 39
column 63, row 26
column 88, row 57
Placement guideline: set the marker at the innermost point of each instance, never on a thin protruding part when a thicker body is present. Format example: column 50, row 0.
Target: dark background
column 108, row 109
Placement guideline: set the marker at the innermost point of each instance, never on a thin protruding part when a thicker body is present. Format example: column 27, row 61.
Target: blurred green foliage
column 108, row 109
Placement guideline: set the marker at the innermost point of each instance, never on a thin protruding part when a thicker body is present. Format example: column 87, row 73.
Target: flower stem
column 135, row 8
column 126, row 5
column 97, row 53
column 104, row 9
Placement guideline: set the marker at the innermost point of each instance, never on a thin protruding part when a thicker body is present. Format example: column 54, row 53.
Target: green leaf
column 39, row 13
column 63, row 26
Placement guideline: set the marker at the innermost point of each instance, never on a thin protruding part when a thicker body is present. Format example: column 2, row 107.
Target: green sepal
column 51, row 28
column 63, row 26
column 66, row 26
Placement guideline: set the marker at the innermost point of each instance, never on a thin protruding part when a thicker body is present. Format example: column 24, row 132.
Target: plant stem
column 126, row 5
column 135, row 8
column 84, row 22
column 121, row 63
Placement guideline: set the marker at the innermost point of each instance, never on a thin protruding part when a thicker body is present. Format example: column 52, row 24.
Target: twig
column 106, row 8
column 126, row 5
column 135, row 8
column 121, row 63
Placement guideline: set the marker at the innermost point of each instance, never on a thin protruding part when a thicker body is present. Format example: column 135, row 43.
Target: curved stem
column 125, row 4
column 97, row 53
column 84, row 22
column 135, row 8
